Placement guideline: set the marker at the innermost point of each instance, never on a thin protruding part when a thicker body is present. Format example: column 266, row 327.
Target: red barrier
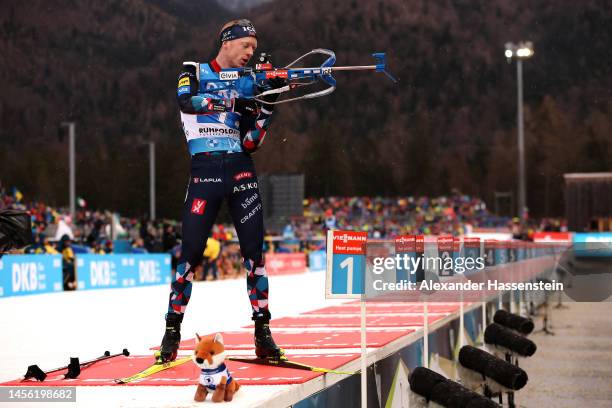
column 552, row 237
column 285, row 264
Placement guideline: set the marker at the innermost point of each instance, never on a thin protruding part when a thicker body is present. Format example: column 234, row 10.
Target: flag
column 17, row 194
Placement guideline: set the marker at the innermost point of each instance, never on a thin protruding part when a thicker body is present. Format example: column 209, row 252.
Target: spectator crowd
column 94, row 231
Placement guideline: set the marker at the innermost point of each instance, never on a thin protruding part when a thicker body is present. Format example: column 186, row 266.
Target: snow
column 48, row 329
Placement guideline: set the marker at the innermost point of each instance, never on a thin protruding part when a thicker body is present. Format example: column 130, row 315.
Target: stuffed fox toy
column 209, row 355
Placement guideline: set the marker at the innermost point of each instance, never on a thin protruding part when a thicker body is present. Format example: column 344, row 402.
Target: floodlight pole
column 71, row 165
column 152, row 180
column 520, row 51
column 522, row 196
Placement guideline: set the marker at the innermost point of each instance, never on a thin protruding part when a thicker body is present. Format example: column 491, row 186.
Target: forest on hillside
column 449, row 123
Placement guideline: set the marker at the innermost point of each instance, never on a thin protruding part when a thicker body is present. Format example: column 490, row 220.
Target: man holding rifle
column 222, row 131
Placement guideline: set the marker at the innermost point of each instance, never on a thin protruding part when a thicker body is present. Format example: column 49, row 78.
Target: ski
column 288, row 364
column 153, row 369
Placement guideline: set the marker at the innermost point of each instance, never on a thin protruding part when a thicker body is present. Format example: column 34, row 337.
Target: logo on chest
column 228, row 75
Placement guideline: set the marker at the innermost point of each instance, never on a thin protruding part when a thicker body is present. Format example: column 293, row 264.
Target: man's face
column 239, row 51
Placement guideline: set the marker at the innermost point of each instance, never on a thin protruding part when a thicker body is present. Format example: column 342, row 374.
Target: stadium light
column 72, row 171
column 520, row 52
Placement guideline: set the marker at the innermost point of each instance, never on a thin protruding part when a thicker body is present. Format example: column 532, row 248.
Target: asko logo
column 244, row 187
column 228, row 75
column 243, row 175
column 198, row 206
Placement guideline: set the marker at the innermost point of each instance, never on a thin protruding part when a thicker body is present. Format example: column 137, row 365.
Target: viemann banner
column 122, row 270
column 30, row 274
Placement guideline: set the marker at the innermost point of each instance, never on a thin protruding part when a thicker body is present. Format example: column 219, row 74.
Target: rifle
column 252, row 83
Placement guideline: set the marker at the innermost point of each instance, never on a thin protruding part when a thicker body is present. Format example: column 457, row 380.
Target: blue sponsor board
column 596, row 244
column 489, row 253
column 501, row 253
column 349, row 274
column 317, row 261
column 122, row 270
column 457, row 254
column 471, row 251
column 521, row 252
column 404, row 270
column 30, row 274
column 405, row 247
column 445, row 251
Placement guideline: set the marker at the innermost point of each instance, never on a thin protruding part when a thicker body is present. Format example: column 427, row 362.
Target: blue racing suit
column 222, row 131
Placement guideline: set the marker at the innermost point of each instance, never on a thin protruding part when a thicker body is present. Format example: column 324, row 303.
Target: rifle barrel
column 354, row 68
column 346, row 68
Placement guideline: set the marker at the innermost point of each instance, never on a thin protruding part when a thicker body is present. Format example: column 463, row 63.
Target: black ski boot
column 172, row 337
column 265, row 347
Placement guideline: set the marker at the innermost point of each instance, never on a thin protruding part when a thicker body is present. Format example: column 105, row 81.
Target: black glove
column 245, row 107
column 274, row 83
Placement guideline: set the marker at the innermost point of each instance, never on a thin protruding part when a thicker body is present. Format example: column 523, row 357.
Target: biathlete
column 222, row 131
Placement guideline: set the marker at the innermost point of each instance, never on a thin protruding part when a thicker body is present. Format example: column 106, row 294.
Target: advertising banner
column 552, row 237
column 30, row 274
column 593, row 244
column 285, row 264
column 122, row 270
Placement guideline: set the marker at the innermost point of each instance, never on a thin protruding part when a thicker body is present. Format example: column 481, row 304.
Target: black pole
column 74, row 368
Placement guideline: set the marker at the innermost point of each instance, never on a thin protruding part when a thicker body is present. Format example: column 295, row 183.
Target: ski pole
column 74, row 368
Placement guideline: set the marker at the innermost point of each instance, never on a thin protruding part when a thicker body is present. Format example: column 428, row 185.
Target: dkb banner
column 30, row 274
column 122, row 271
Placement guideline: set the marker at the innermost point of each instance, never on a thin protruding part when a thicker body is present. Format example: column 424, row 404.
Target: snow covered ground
column 48, row 329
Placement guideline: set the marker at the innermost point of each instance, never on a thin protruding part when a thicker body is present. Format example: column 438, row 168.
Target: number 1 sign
column 345, row 264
